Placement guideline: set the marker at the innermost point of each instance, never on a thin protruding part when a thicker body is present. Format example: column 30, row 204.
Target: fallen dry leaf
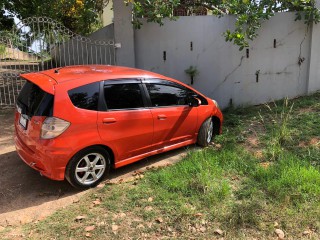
column 79, row 218
column 114, row 227
column 96, row 202
column 89, row 228
column 138, row 172
column 148, row 208
column 140, row 226
column 218, row 146
column 101, row 185
column 218, row 231
column 235, row 178
column 279, row 233
column 203, row 229
column 150, row 199
column 307, row 232
column 198, row 215
column 265, row 165
column 275, row 224
column 159, row 220
column 108, row 182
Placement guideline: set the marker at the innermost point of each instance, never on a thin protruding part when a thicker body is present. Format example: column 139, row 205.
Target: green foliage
column 2, row 49
column 291, row 180
column 250, row 13
column 80, row 16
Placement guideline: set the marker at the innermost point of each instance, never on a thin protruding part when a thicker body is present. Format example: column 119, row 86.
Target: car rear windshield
column 33, row 101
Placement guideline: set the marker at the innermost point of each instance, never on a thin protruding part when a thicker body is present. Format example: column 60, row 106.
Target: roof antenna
column 57, row 70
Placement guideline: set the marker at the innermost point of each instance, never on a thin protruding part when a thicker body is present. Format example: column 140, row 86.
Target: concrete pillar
column 314, row 71
column 123, row 34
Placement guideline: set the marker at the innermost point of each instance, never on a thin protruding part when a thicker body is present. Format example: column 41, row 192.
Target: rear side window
column 86, row 96
column 123, row 96
column 33, row 101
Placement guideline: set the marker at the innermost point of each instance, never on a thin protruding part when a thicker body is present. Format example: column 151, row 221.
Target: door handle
column 162, row 117
column 109, row 120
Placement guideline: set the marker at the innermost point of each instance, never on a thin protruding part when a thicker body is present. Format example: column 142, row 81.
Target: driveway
column 25, row 196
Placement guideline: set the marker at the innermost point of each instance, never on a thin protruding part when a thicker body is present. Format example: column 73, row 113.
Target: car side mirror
column 194, row 102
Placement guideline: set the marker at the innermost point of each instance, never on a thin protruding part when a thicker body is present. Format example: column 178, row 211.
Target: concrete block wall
column 276, row 65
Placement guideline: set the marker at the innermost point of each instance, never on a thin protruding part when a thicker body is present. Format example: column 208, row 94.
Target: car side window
column 86, row 96
column 167, row 95
column 123, row 96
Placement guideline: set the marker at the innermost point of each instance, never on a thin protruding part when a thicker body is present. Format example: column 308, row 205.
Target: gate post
column 123, row 34
column 314, row 70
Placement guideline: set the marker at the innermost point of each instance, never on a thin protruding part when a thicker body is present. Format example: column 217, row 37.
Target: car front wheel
column 88, row 167
column 205, row 134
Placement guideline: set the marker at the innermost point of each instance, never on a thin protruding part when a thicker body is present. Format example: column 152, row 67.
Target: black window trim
column 102, row 106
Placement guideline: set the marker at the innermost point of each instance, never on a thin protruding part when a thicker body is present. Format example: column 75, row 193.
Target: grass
column 263, row 173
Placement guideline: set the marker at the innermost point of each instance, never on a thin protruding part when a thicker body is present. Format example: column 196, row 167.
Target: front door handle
column 162, row 117
column 109, row 120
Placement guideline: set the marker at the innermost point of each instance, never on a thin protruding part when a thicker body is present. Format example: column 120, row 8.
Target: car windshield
column 33, row 101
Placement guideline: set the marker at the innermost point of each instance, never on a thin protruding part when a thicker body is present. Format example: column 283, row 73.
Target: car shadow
column 22, row 187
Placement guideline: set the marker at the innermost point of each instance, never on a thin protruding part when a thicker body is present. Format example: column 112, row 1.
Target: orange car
column 76, row 122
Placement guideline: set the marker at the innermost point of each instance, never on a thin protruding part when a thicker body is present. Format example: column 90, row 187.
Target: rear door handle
column 109, row 120
column 162, row 117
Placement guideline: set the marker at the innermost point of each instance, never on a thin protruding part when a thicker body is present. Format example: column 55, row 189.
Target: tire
column 205, row 134
column 88, row 167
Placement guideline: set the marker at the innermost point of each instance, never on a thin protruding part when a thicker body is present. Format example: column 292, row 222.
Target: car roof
column 97, row 73
column 79, row 75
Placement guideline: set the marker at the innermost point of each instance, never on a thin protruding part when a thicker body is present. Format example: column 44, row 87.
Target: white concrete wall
column 225, row 72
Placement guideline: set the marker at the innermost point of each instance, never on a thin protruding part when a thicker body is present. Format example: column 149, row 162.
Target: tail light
column 52, row 127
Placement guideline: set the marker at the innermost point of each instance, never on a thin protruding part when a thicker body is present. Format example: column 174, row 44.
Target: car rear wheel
column 205, row 134
column 88, row 167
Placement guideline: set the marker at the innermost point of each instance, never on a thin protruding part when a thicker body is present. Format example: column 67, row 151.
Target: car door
column 174, row 120
column 125, row 124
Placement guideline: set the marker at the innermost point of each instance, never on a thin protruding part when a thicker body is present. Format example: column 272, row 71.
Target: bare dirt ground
column 25, row 196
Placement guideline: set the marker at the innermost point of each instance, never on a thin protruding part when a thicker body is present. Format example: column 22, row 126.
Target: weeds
column 279, row 122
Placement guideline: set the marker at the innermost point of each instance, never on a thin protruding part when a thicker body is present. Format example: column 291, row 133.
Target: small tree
column 80, row 16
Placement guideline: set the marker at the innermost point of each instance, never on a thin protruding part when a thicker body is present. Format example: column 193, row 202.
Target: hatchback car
column 77, row 122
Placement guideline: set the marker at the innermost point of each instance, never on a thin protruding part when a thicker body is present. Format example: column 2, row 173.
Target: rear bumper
column 49, row 162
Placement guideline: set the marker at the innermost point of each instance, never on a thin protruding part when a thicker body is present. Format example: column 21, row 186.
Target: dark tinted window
column 86, row 96
column 123, row 96
column 33, row 101
column 165, row 95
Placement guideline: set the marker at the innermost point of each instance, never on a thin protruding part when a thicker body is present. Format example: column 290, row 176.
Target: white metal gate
column 40, row 43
